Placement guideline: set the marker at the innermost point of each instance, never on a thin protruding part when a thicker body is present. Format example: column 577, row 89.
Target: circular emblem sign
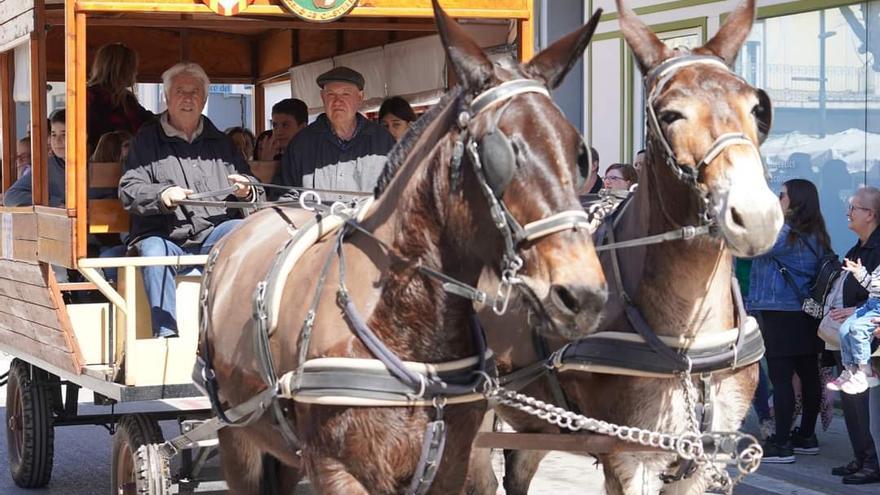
column 320, row 10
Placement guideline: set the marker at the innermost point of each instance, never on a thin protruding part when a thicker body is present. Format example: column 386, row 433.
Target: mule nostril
column 737, row 218
column 565, row 299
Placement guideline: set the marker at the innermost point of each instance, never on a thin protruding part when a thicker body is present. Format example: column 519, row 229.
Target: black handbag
column 829, row 268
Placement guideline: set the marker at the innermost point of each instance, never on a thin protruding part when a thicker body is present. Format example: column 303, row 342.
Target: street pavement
column 82, row 463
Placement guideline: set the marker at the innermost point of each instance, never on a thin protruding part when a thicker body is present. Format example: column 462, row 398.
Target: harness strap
column 566, row 220
column 251, row 409
column 684, row 233
column 433, row 445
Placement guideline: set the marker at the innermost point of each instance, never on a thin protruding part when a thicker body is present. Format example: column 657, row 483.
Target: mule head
column 713, row 122
column 529, row 156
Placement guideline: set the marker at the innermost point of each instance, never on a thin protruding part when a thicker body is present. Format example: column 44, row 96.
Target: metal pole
column 822, row 110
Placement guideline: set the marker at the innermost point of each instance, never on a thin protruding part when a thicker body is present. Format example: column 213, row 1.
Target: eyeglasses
column 613, row 177
column 854, row 207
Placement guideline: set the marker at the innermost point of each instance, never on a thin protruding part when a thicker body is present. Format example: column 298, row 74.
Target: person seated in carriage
column 341, row 150
column 171, row 158
column 21, row 192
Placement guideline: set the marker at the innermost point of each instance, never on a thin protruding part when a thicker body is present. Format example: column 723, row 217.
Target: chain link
column 734, row 448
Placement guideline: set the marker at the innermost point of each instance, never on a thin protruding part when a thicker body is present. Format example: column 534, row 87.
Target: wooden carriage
column 60, row 343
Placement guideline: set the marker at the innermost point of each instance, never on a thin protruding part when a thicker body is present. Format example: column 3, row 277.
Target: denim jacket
column 768, row 288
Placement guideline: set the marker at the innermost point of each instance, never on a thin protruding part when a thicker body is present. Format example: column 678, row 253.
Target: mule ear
column 471, row 66
column 554, row 62
column 649, row 51
column 730, row 38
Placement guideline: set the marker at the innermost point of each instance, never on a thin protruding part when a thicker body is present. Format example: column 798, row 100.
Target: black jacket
column 317, row 159
column 853, row 292
column 157, row 162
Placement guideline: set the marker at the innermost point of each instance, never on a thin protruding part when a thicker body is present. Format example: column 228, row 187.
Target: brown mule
column 427, row 213
column 683, row 288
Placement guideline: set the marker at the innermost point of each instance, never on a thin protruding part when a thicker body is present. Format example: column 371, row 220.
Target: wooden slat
column 39, row 128
column 578, row 442
column 53, row 223
column 25, row 250
column 27, row 293
column 273, row 53
column 106, row 216
column 37, row 349
column 30, row 312
column 55, row 252
column 76, row 286
column 29, row 273
column 7, row 117
column 53, row 337
column 64, row 323
column 104, row 174
column 24, row 226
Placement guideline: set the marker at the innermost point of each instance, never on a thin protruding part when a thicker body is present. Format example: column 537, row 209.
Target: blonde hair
column 115, row 69
column 109, row 148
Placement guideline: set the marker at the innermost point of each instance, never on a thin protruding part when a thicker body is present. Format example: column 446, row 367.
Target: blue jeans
column 856, row 333
column 117, row 251
column 159, row 280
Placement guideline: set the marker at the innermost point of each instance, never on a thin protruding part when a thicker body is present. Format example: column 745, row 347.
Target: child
column 856, row 334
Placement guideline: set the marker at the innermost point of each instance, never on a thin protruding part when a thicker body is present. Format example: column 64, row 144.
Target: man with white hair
column 341, row 150
column 171, row 158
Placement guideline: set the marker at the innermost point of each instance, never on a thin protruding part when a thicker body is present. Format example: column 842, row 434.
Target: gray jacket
column 20, row 193
column 317, row 159
column 157, row 161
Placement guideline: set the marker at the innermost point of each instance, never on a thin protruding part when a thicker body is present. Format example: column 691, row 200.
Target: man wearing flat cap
column 341, row 150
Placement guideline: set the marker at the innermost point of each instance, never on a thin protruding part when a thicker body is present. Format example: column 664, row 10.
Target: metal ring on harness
column 309, row 194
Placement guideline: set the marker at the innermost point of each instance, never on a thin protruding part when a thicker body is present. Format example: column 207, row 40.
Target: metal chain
column 743, row 450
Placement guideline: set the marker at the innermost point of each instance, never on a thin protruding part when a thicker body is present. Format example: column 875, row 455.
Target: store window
column 822, row 72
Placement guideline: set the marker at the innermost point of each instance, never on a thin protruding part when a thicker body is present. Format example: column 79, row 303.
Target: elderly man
column 179, row 154
column 341, row 150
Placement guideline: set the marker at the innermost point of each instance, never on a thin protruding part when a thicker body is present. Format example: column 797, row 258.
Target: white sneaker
column 839, row 381
column 856, row 384
column 870, row 375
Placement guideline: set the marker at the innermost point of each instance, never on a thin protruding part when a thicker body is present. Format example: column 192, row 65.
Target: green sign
column 320, row 10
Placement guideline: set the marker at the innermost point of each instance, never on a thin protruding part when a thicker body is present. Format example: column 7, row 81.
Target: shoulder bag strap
column 788, row 278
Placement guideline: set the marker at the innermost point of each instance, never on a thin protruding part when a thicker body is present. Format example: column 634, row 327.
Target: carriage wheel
column 30, row 436
column 138, row 469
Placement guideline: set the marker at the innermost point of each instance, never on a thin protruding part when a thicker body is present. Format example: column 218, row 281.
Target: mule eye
column 669, row 116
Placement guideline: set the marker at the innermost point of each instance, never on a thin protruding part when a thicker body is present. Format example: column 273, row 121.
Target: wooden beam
column 264, row 23
column 589, row 443
column 526, row 35
column 39, row 129
column 7, row 118
column 487, row 9
column 77, row 147
column 259, row 109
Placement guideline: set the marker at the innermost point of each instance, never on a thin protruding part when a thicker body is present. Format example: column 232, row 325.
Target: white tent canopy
column 853, row 146
column 414, row 69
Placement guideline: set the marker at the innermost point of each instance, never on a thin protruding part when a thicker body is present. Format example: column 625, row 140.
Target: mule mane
column 400, row 153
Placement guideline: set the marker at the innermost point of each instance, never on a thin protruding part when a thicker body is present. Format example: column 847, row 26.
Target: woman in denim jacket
column 790, row 335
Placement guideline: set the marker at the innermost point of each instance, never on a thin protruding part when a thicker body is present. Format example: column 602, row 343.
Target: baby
column 856, row 334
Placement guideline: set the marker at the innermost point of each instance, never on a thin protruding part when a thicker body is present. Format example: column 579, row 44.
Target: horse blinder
column 499, row 161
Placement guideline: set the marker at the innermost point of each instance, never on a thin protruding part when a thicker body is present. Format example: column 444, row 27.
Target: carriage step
column 589, row 443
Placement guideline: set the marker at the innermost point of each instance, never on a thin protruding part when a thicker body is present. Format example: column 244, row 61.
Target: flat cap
column 343, row 74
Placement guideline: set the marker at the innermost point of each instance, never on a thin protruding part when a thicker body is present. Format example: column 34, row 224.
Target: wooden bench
column 106, row 216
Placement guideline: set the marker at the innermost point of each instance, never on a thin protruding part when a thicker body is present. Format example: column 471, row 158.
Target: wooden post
column 259, row 109
column 526, row 34
column 7, row 117
column 77, row 146
column 39, row 129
